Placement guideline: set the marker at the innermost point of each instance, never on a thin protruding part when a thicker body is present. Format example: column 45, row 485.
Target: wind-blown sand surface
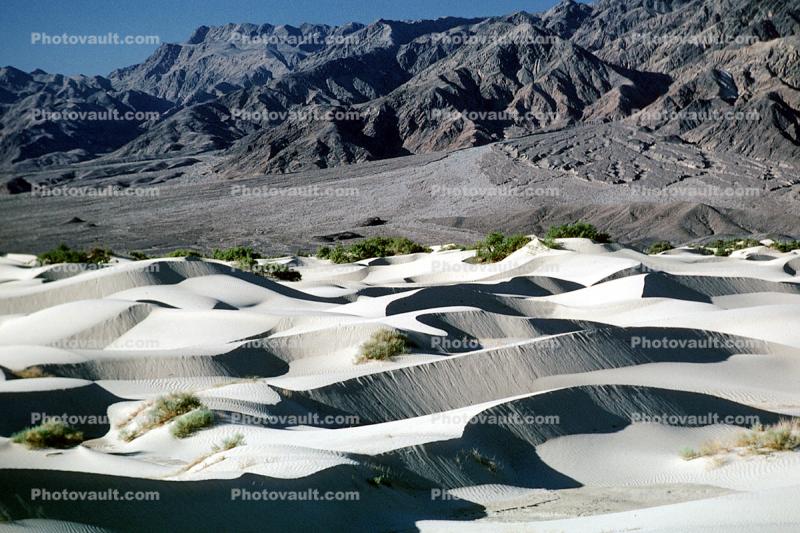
column 552, row 391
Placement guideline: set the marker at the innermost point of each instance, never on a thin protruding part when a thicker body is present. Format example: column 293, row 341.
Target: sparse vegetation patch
column 496, row 247
column 384, row 344
column 192, row 422
column 64, row 254
column 165, row 409
column 578, row 230
column 369, row 248
column 760, row 439
column 184, row 252
column 658, row 247
column 51, row 434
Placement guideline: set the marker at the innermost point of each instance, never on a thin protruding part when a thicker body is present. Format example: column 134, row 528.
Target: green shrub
column 384, row 344
column 229, row 443
column 578, row 230
column 192, row 422
column 369, row 248
column 161, row 411
column 184, row 252
column 239, row 254
column 51, row 434
column 689, row 453
column 658, row 247
column 724, row 248
column 550, row 243
column 64, row 254
column 168, row 407
column 339, row 255
column 139, row 256
column 496, row 247
column 787, row 246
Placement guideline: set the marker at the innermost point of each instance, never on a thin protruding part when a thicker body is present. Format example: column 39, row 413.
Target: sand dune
column 537, row 393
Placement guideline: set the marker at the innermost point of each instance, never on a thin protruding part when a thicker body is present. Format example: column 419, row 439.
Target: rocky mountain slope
column 722, row 75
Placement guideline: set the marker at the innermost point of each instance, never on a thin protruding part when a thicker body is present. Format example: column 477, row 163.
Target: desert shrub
column 168, row 407
column 724, row 248
column 483, row 460
column 496, row 247
column 782, row 436
column 51, row 434
column 161, row 411
column 384, row 477
column 236, row 254
column 139, row 256
column 786, row 246
column 550, row 243
column 372, row 247
column 192, row 422
column 229, row 443
column 184, row 252
column 658, row 247
column 689, row 453
column 339, row 255
column 384, row 344
column 578, row 230
column 64, row 254
column 32, row 372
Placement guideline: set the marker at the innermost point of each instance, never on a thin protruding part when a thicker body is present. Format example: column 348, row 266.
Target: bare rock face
column 721, row 74
column 50, row 118
column 220, row 60
column 16, row 185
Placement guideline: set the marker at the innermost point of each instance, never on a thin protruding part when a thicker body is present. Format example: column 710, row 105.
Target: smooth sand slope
column 552, row 391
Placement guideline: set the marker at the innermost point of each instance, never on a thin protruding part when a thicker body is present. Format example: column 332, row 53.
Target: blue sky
column 174, row 20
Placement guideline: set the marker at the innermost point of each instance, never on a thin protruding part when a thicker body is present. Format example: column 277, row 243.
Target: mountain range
column 281, row 99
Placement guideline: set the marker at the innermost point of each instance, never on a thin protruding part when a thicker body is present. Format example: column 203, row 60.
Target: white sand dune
column 551, row 391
